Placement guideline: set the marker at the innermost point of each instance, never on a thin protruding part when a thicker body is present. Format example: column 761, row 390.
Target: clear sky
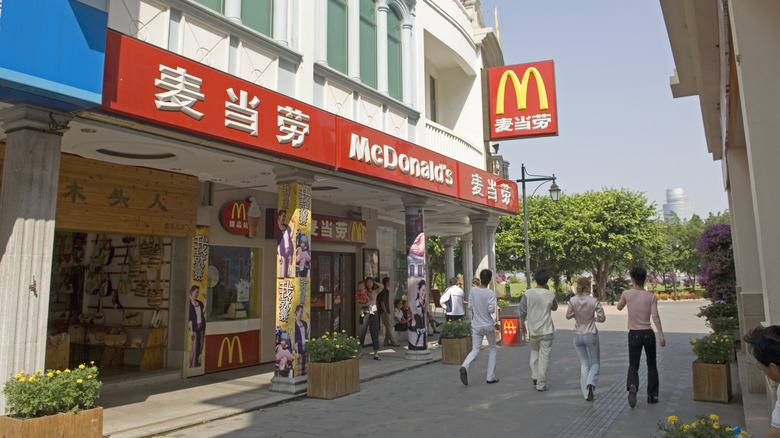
column 618, row 125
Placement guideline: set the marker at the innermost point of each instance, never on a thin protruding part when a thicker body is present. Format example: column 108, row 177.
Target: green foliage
column 41, row 394
column 435, row 253
column 702, row 427
column 332, row 347
column 455, row 329
column 713, row 349
column 725, row 325
column 718, row 309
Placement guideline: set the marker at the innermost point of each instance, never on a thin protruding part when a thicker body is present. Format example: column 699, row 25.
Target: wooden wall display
column 111, row 198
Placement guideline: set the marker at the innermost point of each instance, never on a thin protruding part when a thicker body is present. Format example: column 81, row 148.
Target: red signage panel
column 146, row 82
column 369, row 152
column 484, row 188
column 232, row 350
column 522, row 100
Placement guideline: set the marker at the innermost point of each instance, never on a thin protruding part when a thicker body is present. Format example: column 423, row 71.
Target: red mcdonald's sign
column 522, row 100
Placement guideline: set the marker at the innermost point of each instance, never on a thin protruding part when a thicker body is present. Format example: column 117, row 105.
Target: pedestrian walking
column 452, row 300
column 586, row 311
column 482, row 302
column 383, row 307
column 373, row 318
column 642, row 305
column 536, row 307
column 764, row 345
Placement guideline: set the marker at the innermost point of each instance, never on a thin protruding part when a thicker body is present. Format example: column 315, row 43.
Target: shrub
column 332, row 347
column 725, row 325
column 713, row 349
column 704, row 427
column 718, row 309
column 717, row 273
column 40, row 394
column 455, row 329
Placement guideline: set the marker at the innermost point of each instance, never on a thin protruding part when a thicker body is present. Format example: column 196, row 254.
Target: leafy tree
column 718, row 274
column 436, row 262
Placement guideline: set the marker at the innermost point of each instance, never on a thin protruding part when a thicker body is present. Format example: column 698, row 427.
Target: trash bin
column 510, row 332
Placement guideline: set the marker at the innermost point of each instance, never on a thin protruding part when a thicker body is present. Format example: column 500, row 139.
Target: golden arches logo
column 231, row 343
column 521, row 89
column 358, row 232
column 510, row 326
column 238, row 211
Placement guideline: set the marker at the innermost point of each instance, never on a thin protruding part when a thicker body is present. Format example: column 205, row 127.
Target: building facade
column 725, row 53
column 677, row 204
column 201, row 185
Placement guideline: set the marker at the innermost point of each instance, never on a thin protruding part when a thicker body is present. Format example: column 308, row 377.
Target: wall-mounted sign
column 484, row 188
column 241, row 217
column 522, row 100
column 324, row 228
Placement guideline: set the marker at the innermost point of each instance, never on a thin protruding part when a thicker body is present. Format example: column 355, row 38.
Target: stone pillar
column 292, row 227
column 321, row 44
column 280, row 22
column 28, row 203
column 406, row 59
column 381, row 48
column 353, row 39
column 417, row 278
column 233, row 10
column 449, row 257
column 479, row 232
column 468, row 268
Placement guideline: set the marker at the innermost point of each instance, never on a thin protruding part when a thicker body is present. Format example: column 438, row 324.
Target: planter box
column 712, row 382
column 454, row 351
column 84, row 424
column 332, row 380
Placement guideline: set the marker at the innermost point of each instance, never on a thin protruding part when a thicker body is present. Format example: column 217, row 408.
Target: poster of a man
column 284, row 242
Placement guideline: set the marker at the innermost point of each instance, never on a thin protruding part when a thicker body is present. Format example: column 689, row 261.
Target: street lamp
column 674, row 271
column 555, row 194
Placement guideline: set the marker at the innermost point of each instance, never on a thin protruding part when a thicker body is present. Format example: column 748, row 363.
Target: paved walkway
column 403, row 398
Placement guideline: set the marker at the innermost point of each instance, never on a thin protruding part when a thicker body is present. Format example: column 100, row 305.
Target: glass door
column 332, row 289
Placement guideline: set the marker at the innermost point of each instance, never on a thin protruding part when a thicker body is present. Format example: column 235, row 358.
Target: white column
column 233, row 10
column 468, row 267
column 353, row 39
column 417, row 266
column 406, row 56
column 381, row 48
column 449, row 257
column 479, row 232
column 321, row 48
column 28, row 203
column 280, row 21
column 491, row 242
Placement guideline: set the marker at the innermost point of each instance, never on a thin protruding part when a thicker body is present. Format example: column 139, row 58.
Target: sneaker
column 632, row 395
column 543, row 388
column 493, row 381
column 464, row 376
column 590, row 392
column 651, row 399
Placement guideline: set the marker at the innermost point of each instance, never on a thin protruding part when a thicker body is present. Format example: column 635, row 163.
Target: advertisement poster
column 293, row 222
column 416, row 286
column 231, row 282
column 199, row 283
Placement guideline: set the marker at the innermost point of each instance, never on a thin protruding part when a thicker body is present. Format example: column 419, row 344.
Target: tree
column 436, row 262
column 718, row 274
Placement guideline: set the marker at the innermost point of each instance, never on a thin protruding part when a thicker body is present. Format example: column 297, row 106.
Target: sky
column 618, row 124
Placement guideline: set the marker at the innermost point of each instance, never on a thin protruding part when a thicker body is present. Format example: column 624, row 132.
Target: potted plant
column 333, row 369
column 721, row 317
column 455, row 342
column 56, row 400
column 709, row 427
column 711, row 369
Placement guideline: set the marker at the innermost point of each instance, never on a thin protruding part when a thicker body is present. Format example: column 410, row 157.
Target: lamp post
column 674, row 272
column 555, row 193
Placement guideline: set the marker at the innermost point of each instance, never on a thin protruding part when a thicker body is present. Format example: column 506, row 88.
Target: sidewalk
column 433, row 401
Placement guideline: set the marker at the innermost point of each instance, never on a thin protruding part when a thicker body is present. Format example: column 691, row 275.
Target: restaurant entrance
column 332, row 301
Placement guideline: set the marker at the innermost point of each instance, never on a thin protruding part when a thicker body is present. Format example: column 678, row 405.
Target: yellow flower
column 89, row 376
column 92, row 362
column 693, row 341
column 672, row 419
column 94, row 369
column 693, row 425
column 67, row 370
column 17, row 376
column 703, row 421
column 716, row 425
column 39, row 372
column 714, row 417
column 50, row 375
column 338, row 346
column 58, row 372
column 684, row 427
column 22, row 372
column 728, row 429
column 21, row 379
column 79, row 381
column 81, row 367
column 31, row 379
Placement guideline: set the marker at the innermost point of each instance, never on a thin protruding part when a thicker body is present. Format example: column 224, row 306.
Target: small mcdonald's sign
column 522, row 100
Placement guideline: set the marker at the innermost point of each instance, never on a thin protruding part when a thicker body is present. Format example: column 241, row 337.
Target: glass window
column 258, row 15
column 337, row 35
column 232, row 283
column 216, row 5
column 432, row 91
column 368, row 42
column 394, row 65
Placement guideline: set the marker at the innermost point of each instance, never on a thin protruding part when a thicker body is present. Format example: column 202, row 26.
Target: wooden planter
column 84, row 424
column 712, row 382
column 454, row 351
column 333, row 380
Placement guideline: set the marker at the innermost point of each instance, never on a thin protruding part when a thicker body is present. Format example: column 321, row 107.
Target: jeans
column 588, row 347
column 370, row 322
column 541, row 346
column 477, row 333
column 638, row 339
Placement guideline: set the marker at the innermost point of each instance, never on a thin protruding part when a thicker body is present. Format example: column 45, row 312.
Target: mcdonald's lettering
column 234, row 217
column 521, row 90
column 358, row 232
column 230, row 343
column 510, row 326
column 238, row 211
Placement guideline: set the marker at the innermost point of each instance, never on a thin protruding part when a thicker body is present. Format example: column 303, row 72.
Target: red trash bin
column 509, row 331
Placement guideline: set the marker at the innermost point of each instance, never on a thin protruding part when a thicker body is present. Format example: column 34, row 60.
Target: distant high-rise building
column 677, row 202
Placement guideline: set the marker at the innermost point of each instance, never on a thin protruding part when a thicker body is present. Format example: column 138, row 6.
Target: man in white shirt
column 482, row 302
column 536, row 307
column 454, row 293
column 765, row 346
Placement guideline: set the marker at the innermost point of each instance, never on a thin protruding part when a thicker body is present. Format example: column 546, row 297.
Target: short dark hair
column 385, row 281
column 639, row 275
column 765, row 344
column 485, row 276
column 541, row 276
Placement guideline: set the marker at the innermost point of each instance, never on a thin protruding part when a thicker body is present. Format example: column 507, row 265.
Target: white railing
column 442, row 140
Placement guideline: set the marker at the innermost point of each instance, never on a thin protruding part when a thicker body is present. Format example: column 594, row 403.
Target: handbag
column 132, row 319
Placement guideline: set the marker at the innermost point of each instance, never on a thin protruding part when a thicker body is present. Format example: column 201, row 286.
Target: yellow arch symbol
column 521, row 89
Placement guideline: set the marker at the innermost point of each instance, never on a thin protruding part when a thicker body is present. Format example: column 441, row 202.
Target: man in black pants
column 383, row 304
